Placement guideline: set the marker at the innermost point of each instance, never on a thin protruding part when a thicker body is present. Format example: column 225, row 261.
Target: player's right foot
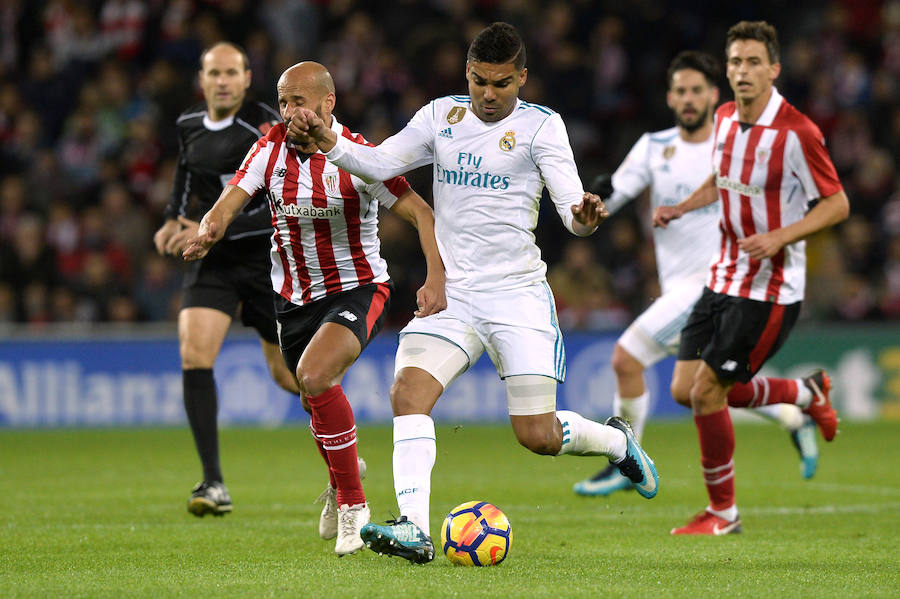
column 636, row 465
column 209, row 498
column 820, row 408
column 606, row 482
column 707, row 523
column 328, row 519
column 399, row 537
column 804, row 439
column 351, row 519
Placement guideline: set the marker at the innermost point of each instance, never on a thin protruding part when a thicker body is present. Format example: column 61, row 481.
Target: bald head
column 308, row 85
column 309, row 74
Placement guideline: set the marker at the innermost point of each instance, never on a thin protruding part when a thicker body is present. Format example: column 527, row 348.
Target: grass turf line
column 102, row 513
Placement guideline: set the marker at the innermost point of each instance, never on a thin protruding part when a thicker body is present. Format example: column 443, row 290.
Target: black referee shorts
column 735, row 335
column 235, row 273
column 362, row 310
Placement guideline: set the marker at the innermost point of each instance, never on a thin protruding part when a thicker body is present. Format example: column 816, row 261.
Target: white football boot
column 351, row 519
column 328, row 519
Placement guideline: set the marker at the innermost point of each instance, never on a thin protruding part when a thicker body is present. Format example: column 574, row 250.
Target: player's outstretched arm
column 588, row 215
column 827, row 212
column 431, row 297
column 213, row 224
column 702, row 196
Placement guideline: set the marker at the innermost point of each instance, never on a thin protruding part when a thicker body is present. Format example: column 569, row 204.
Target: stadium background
column 89, row 92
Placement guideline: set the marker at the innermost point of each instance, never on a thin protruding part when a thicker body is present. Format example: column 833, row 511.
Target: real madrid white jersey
column 672, row 168
column 488, row 179
column 766, row 172
column 325, row 219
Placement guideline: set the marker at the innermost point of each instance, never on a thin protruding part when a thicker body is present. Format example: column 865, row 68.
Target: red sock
column 716, row 435
column 332, row 419
column 762, row 391
column 324, row 455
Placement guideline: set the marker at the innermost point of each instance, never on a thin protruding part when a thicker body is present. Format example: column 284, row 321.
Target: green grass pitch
column 101, row 513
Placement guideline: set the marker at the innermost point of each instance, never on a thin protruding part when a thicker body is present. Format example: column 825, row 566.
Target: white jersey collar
column 217, row 125
column 771, row 109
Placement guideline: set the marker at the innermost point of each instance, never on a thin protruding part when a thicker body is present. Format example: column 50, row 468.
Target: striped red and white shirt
column 325, row 219
column 766, row 174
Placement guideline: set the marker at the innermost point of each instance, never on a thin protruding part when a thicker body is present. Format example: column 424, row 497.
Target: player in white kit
column 492, row 154
column 672, row 163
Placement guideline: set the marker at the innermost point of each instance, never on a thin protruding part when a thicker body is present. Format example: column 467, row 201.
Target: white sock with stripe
column 415, row 450
column 586, row 437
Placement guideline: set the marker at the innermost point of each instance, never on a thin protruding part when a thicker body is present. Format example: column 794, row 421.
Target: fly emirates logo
column 304, row 210
column 466, row 172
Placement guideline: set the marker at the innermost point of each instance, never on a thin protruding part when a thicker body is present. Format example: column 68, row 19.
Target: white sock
column 804, row 395
column 786, row 414
column 586, row 437
column 729, row 514
column 414, row 454
column 634, row 410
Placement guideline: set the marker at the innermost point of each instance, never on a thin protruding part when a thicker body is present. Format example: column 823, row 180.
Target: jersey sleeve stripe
column 322, row 227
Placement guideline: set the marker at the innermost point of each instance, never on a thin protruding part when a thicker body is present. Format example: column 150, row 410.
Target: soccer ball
column 476, row 533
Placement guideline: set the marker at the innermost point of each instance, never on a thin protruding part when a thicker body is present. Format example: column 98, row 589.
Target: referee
column 213, row 138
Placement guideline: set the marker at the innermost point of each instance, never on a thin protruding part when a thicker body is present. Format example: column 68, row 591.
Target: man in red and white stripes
column 769, row 162
column 331, row 285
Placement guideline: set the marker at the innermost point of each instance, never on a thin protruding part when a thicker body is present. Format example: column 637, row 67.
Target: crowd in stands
column 90, row 90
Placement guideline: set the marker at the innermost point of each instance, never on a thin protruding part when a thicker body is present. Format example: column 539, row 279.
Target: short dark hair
column 696, row 61
column 498, row 43
column 754, row 30
column 231, row 45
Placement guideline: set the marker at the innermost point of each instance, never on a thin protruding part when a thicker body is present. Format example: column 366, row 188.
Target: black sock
column 202, row 406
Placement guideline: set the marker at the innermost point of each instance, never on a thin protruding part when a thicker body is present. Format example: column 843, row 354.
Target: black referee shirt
column 209, row 153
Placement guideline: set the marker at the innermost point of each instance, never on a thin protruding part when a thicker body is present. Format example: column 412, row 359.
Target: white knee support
column 438, row 357
column 530, row 394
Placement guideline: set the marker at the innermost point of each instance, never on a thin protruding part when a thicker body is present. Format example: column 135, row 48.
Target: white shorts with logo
column 518, row 328
column 656, row 333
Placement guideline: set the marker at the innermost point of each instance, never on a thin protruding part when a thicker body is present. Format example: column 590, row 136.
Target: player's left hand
column 177, row 242
column 590, row 212
column 431, row 298
column 761, row 245
column 208, row 232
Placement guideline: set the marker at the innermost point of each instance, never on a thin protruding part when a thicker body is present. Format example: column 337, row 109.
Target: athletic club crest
column 762, row 155
column 508, row 141
column 331, row 183
column 668, row 152
column 456, row 114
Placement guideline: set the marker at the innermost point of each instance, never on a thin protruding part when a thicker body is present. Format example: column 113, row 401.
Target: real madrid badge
column 508, row 141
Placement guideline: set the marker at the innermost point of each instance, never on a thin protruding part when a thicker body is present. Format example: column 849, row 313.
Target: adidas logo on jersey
column 448, row 133
column 348, row 315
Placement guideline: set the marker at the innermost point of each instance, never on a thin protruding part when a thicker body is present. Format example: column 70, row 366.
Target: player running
column 769, row 161
column 332, row 285
column 492, row 154
column 672, row 164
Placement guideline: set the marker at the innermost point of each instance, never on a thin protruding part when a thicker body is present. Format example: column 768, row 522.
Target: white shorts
column 518, row 329
column 656, row 333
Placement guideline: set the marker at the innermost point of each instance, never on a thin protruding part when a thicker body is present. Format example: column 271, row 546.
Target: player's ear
column 714, row 95
column 669, row 100
column 775, row 70
column 523, row 77
column 248, row 76
column 330, row 101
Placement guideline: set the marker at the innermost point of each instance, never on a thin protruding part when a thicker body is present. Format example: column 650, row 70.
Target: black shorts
column 362, row 310
column 735, row 335
column 235, row 273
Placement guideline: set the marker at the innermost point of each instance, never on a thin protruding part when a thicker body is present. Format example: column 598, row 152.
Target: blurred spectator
column 89, row 92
